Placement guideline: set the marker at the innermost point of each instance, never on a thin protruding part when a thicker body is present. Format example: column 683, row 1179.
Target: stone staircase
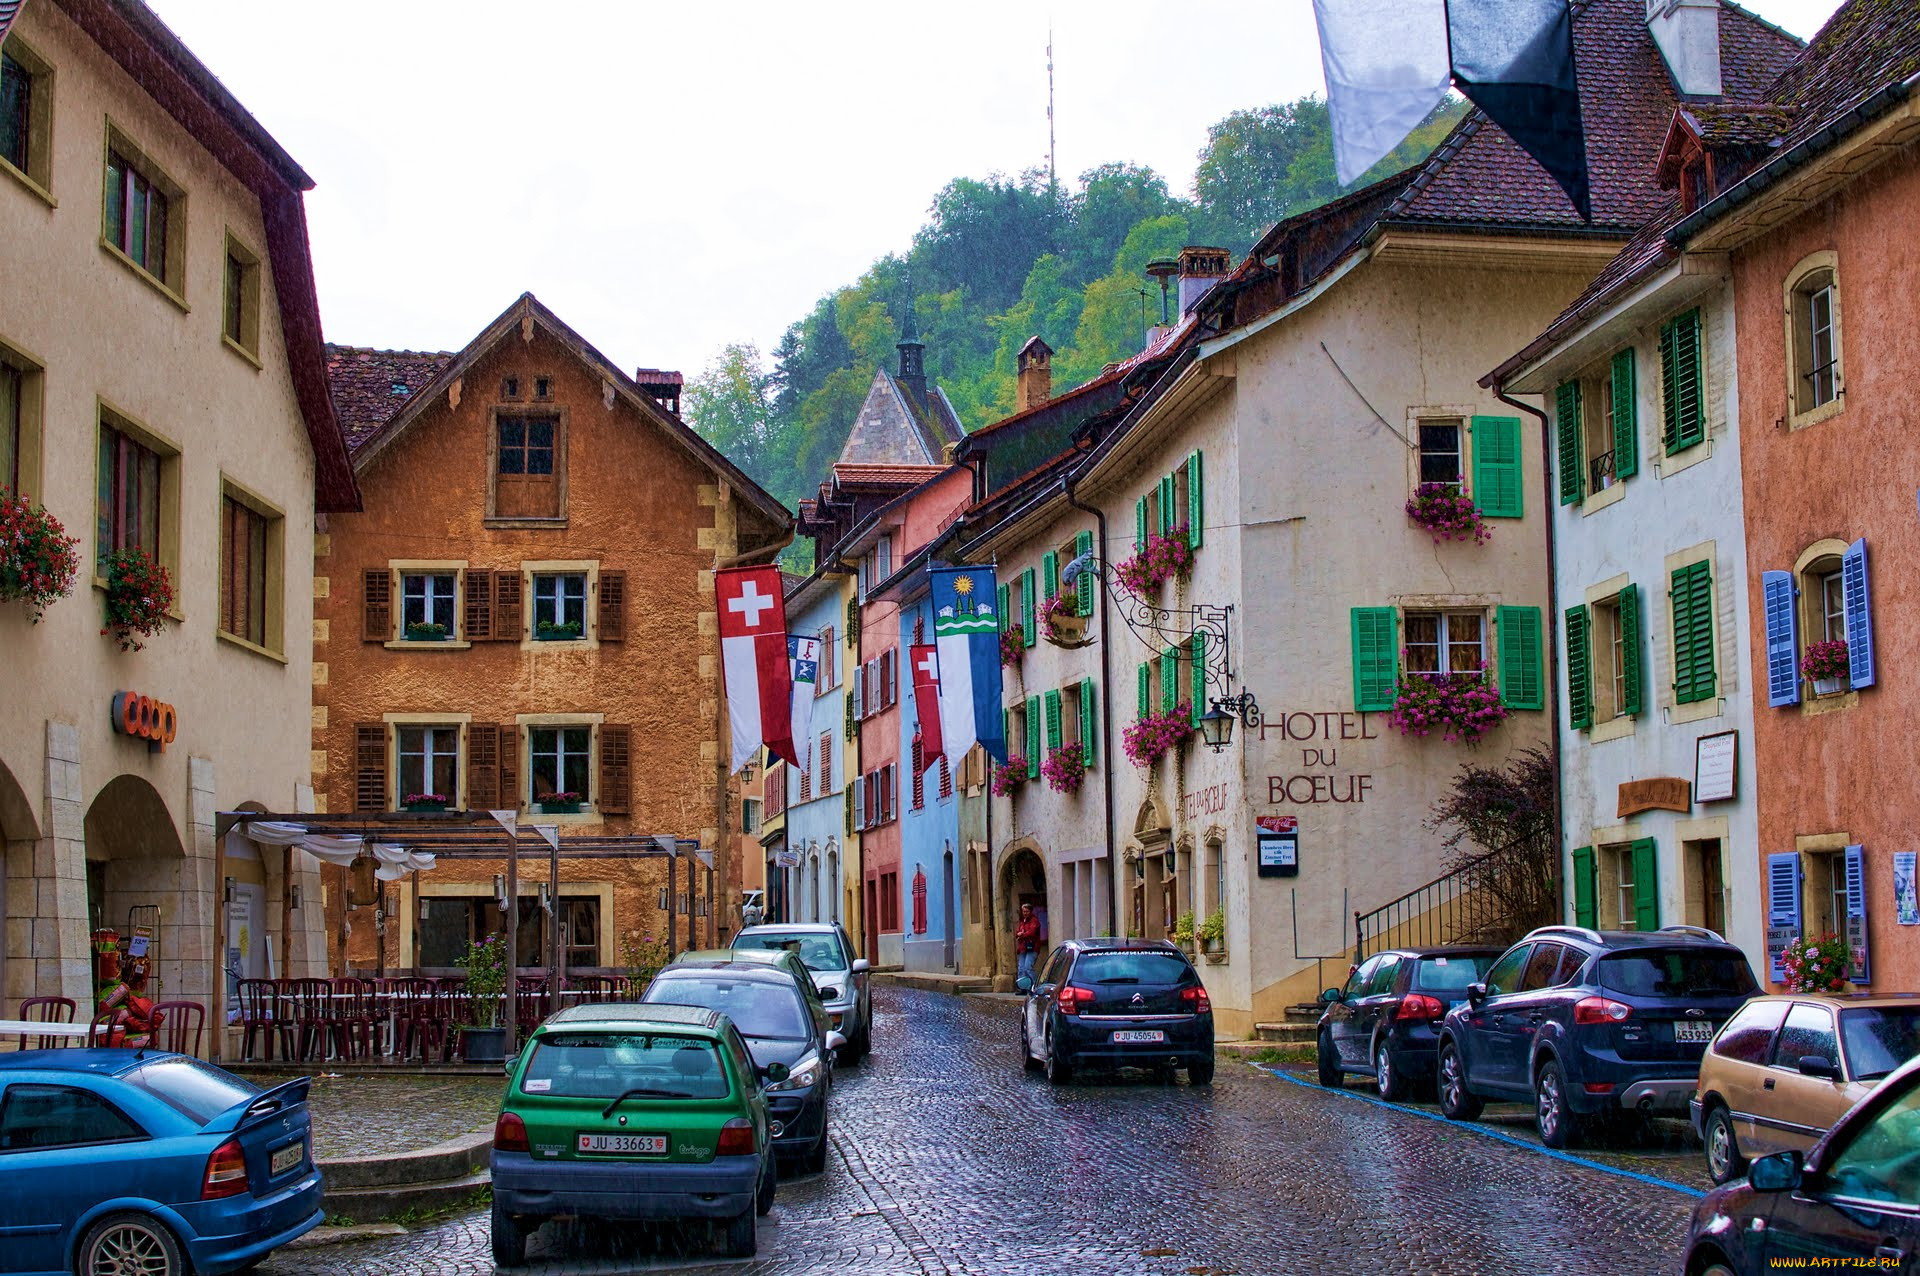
column 370, row 1189
column 1298, row 1031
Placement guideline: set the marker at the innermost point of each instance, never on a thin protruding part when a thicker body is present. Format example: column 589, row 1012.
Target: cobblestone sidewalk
column 357, row 1116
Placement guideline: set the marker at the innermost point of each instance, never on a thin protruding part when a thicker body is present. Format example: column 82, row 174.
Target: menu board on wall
column 1716, row 767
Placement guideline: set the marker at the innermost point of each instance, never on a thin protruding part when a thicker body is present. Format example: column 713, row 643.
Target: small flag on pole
column 926, row 700
column 966, row 632
column 803, row 664
column 753, row 661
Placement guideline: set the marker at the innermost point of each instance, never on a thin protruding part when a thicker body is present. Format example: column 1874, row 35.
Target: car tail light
column 226, row 1172
column 1418, row 1006
column 1599, row 1087
column 1071, row 999
column 510, row 1134
column 1198, row 996
column 736, row 1138
column 1601, row 1010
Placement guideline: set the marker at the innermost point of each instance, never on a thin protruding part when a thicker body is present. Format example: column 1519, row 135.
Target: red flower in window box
column 1013, row 642
column 139, row 595
column 1156, row 734
column 424, row 802
column 1161, row 559
column 38, row 562
column 1443, row 511
column 1065, row 768
column 1816, row 965
column 1009, row 777
column 1461, row 706
column 1825, row 660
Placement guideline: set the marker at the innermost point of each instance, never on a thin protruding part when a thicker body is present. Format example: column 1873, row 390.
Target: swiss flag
column 926, row 701
column 753, row 660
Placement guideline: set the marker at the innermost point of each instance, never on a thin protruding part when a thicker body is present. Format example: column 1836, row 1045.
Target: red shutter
column 478, row 611
column 508, row 620
column 919, row 784
column 376, row 598
column 946, row 778
column 613, row 606
column 370, row 767
column 616, row 769
column 483, row 761
column 826, row 763
column 509, row 797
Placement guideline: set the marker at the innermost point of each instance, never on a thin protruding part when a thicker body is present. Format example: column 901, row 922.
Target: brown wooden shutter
column 376, row 596
column 509, row 767
column 483, row 765
column 613, row 606
column 508, row 619
column 370, row 766
column 616, row 770
column 478, row 615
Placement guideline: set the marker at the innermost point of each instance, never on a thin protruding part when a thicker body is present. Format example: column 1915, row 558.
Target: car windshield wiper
column 643, row 1093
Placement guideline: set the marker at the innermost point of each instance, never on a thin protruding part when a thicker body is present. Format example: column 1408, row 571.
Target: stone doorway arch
column 138, row 870
column 1150, row 869
column 19, row 834
column 1022, row 879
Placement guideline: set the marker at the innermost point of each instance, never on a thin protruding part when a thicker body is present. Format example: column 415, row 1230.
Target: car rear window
column 1452, row 974
column 1676, row 972
column 758, row 1007
column 1879, row 1039
column 1130, row 968
column 819, row 952
column 606, row 1065
column 198, row 1091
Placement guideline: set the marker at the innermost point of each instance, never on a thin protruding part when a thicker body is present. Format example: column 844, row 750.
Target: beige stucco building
column 162, row 385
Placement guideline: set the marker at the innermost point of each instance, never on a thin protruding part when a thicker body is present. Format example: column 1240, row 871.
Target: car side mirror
column 1476, row 993
column 508, row 1064
column 861, row 965
column 1024, row 983
column 1780, row 1172
column 1329, row 995
column 776, row 1071
column 1818, row 1065
column 836, row 1041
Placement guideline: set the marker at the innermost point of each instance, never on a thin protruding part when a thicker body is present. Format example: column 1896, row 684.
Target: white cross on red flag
column 926, row 701
column 753, row 661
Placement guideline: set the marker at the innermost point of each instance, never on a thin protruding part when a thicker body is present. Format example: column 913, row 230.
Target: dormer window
column 1695, row 188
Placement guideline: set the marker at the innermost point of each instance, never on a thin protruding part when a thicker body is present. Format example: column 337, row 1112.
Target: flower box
column 1827, row 666
column 139, row 595
column 547, row 631
column 1460, row 706
column 426, row 633
column 1442, row 511
column 38, row 561
column 1013, row 643
column 1061, row 622
column 1010, row 777
column 424, row 802
column 1150, row 738
column 1816, row 965
column 1161, row 559
column 1065, row 768
column 562, row 803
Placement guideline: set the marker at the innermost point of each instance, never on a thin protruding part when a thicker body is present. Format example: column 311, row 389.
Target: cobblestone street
column 948, row 1159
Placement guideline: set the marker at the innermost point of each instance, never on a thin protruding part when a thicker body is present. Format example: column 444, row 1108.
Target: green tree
column 728, row 405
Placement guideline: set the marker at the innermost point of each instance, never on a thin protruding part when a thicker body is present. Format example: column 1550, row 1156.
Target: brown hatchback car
column 1787, row 1066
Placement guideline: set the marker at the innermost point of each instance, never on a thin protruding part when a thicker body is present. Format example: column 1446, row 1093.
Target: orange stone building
column 522, row 618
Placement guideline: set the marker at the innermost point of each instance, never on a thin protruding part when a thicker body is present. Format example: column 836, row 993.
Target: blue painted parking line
column 1484, row 1132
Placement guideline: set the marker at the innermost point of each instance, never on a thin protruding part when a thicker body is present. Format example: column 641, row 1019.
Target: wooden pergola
column 463, row 835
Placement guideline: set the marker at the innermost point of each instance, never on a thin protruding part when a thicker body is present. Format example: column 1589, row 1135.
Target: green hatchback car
column 632, row 1112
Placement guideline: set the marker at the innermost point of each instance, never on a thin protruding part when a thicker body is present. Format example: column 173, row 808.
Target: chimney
column 1688, row 33
column 662, row 386
column 1200, row 269
column 1036, row 375
column 913, row 373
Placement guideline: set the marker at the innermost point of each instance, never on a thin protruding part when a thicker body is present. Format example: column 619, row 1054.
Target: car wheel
column 742, row 1238
column 1456, row 1101
column 1329, row 1062
column 815, row 1160
column 1200, row 1072
column 1059, row 1070
column 1724, row 1161
column 509, row 1238
column 130, row 1243
column 769, row 1185
column 1558, row 1126
column 1386, row 1077
column 1026, row 1048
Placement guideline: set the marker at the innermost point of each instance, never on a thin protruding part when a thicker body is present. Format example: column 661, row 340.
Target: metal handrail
column 1441, row 911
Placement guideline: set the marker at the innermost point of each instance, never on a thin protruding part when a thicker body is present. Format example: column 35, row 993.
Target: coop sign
column 145, row 718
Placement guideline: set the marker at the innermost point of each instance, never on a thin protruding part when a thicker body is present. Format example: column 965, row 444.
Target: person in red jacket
column 1026, row 941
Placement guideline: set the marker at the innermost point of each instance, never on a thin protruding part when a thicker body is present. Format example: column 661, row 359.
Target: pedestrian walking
column 1026, row 941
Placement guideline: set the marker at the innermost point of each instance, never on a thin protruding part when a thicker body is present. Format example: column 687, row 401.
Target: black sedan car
column 1852, row 1203
column 780, row 1025
column 1118, row 1003
column 1384, row 1024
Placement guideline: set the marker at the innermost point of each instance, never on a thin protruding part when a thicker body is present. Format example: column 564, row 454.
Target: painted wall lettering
column 1311, row 790
column 1208, row 801
column 1318, row 726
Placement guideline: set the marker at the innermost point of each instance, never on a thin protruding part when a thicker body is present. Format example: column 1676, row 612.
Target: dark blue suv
column 1588, row 1025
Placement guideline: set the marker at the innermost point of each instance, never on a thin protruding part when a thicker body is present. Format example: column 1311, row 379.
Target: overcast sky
column 670, row 178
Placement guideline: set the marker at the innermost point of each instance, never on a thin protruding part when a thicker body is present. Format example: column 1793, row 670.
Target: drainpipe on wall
column 1551, row 625
column 1106, row 721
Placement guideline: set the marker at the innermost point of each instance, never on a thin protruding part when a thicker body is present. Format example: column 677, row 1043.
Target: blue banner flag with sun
column 966, row 635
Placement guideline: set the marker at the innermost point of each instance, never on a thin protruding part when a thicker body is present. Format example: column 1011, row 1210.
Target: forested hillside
column 1002, row 259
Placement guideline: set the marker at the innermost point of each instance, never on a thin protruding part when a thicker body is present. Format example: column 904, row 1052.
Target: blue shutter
column 1783, row 908
column 1783, row 639
column 1856, row 930
column 1859, row 605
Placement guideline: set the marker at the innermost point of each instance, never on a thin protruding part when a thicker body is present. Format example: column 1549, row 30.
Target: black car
column 1853, row 1202
column 781, row 1025
column 1588, row 1025
column 1118, row 1003
column 1384, row 1023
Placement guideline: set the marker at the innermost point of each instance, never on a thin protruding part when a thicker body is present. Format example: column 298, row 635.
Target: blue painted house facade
column 817, row 821
column 929, row 815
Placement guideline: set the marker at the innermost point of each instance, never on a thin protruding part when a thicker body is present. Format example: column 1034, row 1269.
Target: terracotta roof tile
column 907, row 475
column 371, row 386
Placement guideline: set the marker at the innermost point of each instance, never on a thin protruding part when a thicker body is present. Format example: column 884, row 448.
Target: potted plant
column 1443, row 511
column 424, row 802
column 1213, row 936
column 1009, row 777
column 139, row 595
column 1816, row 965
column 1461, row 706
column 1164, row 556
column 1013, row 642
column 1065, row 768
column 547, row 631
column 1826, row 665
column 426, row 631
column 1150, row 738
column 564, row 802
column 1182, row 933
column 482, row 1039
column 38, row 561
column 1061, row 622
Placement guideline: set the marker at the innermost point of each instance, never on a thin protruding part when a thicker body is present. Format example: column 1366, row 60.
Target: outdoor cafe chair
column 45, row 1010
column 312, row 1016
column 261, row 1017
column 181, row 1023
column 101, row 1030
column 350, row 1016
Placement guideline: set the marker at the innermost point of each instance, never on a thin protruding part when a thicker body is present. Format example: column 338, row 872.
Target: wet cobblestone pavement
column 950, row 1161
column 377, row 1116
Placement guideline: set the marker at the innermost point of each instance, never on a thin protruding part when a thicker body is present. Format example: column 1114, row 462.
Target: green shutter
column 1028, row 633
column 1579, row 669
column 1050, row 573
column 853, row 621
column 1089, row 721
column 1683, row 418
column 847, row 700
column 849, row 792
column 1376, row 658
column 1146, row 688
column 1196, row 500
column 1139, row 524
column 1646, row 886
column 1052, row 702
column 1166, row 504
column 1566, row 408
column 1169, row 679
column 1033, row 737
column 1586, row 911
column 1693, row 677
column 1498, row 488
column 1083, row 549
column 1197, row 677
column 1003, row 609
column 1635, row 674
column 1522, row 682
column 1006, row 730
column 1626, row 416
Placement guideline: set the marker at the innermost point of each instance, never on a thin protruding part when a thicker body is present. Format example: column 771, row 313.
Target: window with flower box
column 429, row 763
column 1819, row 624
column 1440, row 642
column 427, row 606
column 559, row 605
column 558, row 761
column 1440, row 450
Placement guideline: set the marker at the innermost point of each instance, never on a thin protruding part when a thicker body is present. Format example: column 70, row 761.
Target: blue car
column 143, row 1161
